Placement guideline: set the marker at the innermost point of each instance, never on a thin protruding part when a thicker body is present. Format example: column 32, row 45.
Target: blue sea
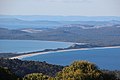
column 104, row 58
column 19, row 46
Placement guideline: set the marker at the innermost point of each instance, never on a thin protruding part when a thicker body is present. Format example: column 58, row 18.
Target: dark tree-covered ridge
column 22, row 68
column 34, row 70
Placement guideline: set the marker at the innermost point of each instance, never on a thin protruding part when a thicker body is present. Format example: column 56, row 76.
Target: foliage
column 36, row 76
column 80, row 70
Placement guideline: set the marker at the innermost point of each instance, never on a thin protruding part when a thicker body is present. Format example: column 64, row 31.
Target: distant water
column 29, row 45
column 104, row 58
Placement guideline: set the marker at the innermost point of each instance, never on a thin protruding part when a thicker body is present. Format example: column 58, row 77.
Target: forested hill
column 22, row 68
column 30, row 70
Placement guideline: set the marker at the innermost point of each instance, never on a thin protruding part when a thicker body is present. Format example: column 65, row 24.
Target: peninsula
column 73, row 47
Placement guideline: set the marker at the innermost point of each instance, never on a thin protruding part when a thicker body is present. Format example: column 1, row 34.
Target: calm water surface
column 29, row 45
column 104, row 58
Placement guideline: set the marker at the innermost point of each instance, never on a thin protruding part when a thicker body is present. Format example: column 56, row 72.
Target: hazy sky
column 60, row 7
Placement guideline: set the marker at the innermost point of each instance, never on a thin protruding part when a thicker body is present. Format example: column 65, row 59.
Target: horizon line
column 62, row 15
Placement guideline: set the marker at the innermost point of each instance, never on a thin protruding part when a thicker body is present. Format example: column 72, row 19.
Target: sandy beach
column 40, row 53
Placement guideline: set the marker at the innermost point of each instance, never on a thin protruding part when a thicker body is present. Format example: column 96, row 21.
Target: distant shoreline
column 66, row 50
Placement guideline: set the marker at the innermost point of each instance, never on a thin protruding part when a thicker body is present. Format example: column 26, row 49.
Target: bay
column 104, row 58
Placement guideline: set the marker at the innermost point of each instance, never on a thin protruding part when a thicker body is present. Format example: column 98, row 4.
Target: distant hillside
column 17, row 22
column 97, row 30
column 62, row 18
column 14, row 23
column 105, row 35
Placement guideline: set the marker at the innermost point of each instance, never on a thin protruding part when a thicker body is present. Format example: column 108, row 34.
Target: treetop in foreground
column 80, row 70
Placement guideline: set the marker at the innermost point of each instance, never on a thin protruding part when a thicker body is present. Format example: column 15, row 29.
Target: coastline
column 67, row 50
